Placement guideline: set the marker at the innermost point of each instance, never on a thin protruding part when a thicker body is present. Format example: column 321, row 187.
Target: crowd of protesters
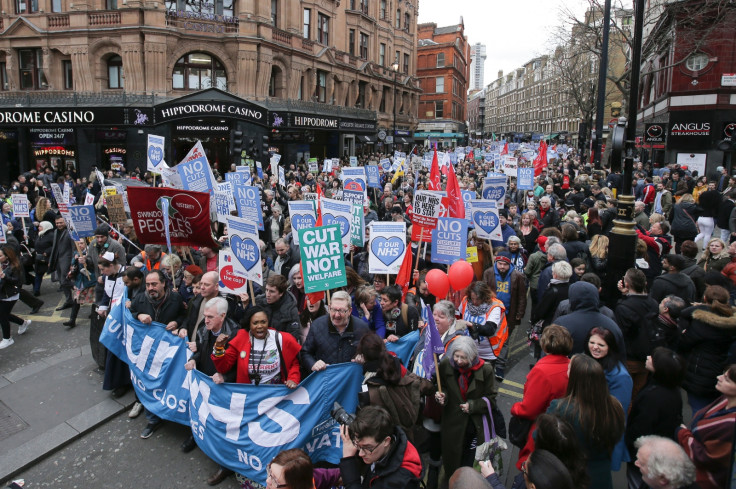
column 609, row 363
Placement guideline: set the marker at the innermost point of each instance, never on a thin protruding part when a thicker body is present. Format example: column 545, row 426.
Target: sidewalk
column 48, row 404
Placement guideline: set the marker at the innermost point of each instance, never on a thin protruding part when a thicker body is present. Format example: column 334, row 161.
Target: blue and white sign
column 240, row 177
column 338, row 212
column 165, row 204
column 353, row 161
column 259, row 169
column 385, row 165
column 21, row 206
column 485, row 218
column 525, row 179
column 468, row 195
column 449, row 240
column 282, row 177
column 302, row 216
column 242, row 436
column 387, row 247
column 357, row 226
column 155, row 153
column 372, row 178
column 494, row 188
column 248, row 203
column 353, row 196
column 244, row 247
column 224, row 201
column 353, row 179
column 195, row 171
column 84, row 220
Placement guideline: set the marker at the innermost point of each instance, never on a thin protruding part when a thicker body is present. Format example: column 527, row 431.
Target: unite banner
column 242, row 436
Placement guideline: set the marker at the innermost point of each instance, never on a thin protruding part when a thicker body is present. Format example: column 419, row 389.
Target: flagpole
column 252, row 294
column 437, row 371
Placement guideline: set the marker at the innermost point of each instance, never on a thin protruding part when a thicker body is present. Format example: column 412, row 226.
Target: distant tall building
column 477, row 65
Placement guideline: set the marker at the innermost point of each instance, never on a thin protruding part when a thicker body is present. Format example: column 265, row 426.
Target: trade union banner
column 189, row 216
column 242, row 436
column 323, row 263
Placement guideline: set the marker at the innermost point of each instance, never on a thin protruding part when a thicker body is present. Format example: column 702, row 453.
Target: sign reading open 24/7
column 323, row 263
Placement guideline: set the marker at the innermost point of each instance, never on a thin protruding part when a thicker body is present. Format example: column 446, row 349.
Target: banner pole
column 436, row 369
column 101, row 218
column 419, row 246
column 252, row 294
column 328, row 297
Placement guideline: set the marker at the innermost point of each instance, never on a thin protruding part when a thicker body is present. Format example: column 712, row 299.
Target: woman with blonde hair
column 715, row 257
column 42, row 212
column 685, row 215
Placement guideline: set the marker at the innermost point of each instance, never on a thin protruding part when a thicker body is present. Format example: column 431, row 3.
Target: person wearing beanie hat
column 102, row 231
column 509, row 285
column 98, row 247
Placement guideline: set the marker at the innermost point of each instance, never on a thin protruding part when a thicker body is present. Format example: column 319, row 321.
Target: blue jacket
column 507, row 231
column 325, row 343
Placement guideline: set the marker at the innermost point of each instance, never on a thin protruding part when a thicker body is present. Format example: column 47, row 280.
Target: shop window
column 211, row 7
column 323, row 29
column 320, row 92
column 115, row 72
column 32, row 76
column 197, row 71
column 306, row 27
column 66, row 70
column 4, row 85
column 439, row 109
column 363, row 46
column 26, row 6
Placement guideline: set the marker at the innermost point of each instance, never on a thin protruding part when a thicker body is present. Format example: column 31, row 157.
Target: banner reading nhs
column 239, row 426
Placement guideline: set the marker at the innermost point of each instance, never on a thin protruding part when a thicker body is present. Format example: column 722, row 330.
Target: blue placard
column 525, row 179
column 196, row 175
column 84, row 220
column 248, row 203
column 404, row 347
column 372, row 177
column 468, row 195
column 449, row 240
column 494, row 188
column 385, row 164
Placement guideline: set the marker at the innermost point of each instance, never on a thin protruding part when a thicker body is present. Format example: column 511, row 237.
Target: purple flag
column 432, row 344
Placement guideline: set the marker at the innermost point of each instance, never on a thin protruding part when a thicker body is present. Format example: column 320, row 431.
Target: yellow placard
column 472, row 254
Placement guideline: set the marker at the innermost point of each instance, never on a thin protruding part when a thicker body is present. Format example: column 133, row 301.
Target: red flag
column 319, row 205
column 455, row 203
column 471, row 156
column 404, row 276
column 434, row 174
column 554, row 148
column 505, row 149
column 540, row 162
column 314, row 296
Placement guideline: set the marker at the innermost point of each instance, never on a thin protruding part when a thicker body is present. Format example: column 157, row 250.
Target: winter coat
column 683, row 226
column 172, row 309
column 705, row 340
column 454, row 421
column 112, row 246
column 284, row 314
column 205, row 342
column 516, row 307
column 710, row 200
column 696, row 274
column 546, row 307
column 61, row 256
column 400, row 468
column 715, row 262
column 635, row 315
column 237, row 354
column 656, row 410
column 10, row 284
column 586, row 315
column 677, row 284
column 620, row 385
column 533, row 268
column 325, row 343
column 43, row 247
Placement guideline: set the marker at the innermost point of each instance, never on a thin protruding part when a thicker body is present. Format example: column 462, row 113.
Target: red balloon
column 461, row 274
column 437, row 283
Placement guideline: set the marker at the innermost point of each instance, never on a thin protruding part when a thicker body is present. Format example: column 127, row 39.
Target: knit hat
column 542, row 242
column 193, row 270
column 102, row 231
column 503, row 213
column 504, row 256
column 45, row 227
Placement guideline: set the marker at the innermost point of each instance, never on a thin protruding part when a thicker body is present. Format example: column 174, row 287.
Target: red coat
column 545, row 382
column 238, row 351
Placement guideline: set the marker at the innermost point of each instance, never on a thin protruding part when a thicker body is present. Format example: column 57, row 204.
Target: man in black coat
column 724, row 215
column 673, row 281
column 61, row 260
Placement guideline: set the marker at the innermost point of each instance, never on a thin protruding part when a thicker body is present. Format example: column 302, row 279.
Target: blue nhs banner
column 525, row 179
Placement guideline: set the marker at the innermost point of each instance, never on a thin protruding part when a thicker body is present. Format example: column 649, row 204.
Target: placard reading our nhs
column 485, row 218
column 387, row 247
column 302, row 217
column 494, row 188
column 244, row 247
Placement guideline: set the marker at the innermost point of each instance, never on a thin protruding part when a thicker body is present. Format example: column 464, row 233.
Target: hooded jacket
column 677, row 284
column 586, row 315
column 705, row 340
column 400, row 468
column 635, row 315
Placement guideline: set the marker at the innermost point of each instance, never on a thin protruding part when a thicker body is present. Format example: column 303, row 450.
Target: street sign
column 381, row 134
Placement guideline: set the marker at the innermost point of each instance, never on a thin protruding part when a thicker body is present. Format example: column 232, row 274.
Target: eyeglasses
column 338, row 311
column 365, row 449
column 273, row 479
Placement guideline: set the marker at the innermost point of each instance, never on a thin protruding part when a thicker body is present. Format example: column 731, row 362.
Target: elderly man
column 284, row 258
column 333, row 338
column 158, row 304
column 640, row 217
column 661, row 464
column 548, row 216
column 208, row 290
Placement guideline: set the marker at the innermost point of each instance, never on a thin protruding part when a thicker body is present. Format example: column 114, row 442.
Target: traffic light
column 726, row 145
column 236, row 143
column 265, row 145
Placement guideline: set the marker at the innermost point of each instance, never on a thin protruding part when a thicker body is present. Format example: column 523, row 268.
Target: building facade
column 443, row 68
column 306, row 78
column 476, row 113
column 477, row 66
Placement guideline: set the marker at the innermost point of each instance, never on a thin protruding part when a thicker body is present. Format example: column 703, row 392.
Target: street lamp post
column 602, row 72
column 395, row 68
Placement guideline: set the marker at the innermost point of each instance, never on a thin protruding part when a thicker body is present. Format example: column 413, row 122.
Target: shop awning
column 401, row 140
column 366, row 139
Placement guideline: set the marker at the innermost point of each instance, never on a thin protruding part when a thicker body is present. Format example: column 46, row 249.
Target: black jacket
column 709, row 201
column 683, row 223
column 635, row 315
column 677, row 284
column 284, row 314
column 205, row 342
column 234, row 312
column 172, row 309
column 656, row 410
column 705, row 341
column 325, row 343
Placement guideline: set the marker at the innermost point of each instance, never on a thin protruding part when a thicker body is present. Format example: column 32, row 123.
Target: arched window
column 196, row 71
column 276, row 83
column 115, row 72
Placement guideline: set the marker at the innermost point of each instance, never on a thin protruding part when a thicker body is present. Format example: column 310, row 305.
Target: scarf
column 463, row 380
column 157, row 304
column 480, row 310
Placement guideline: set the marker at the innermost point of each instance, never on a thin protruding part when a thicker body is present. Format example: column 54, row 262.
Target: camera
column 339, row 414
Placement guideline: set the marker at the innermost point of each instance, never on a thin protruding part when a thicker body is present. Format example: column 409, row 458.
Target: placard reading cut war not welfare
column 323, row 263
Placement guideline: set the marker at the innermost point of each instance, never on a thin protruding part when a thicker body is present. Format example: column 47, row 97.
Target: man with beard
column 159, row 305
column 61, row 260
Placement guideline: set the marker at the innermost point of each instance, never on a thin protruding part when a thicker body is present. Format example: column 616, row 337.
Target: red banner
column 189, row 216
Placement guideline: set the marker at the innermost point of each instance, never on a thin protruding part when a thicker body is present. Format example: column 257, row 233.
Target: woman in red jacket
column 262, row 355
column 546, row 381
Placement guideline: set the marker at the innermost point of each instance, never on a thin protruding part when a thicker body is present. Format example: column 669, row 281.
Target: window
column 351, row 42
column 440, row 60
column 225, row 8
column 275, row 83
column 697, row 61
column 363, row 46
column 361, row 94
column 396, row 58
column 307, row 22
column 274, row 12
column 323, row 29
column 56, row 5
column 439, row 84
column 407, row 18
column 438, row 109
column 26, row 6
column 32, row 76
column 66, row 71
column 398, row 19
column 406, row 63
column 109, row 5
column 382, row 13
column 382, row 54
column 4, row 85
column 361, row 5
column 196, row 71
column 115, row 72
column 320, row 91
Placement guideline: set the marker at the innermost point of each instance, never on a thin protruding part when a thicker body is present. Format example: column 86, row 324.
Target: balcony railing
column 281, row 36
column 103, row 18
column 58, row 21
column 307, row 44
column 46, row 99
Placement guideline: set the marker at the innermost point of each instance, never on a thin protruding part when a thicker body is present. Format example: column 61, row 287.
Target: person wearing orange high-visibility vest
column 485, row 316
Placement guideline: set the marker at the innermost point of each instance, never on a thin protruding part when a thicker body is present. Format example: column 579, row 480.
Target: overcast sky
column 513, row 31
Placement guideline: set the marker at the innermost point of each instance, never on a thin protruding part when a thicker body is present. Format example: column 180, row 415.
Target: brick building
column 83, row 82
column 443, row 69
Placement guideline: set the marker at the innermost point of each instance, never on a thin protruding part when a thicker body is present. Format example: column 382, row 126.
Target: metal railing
column 72, row 99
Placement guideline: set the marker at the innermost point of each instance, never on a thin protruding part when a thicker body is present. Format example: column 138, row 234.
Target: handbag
column 519, row 430
column 691, row 218
column 535, row 332
column 493, row 445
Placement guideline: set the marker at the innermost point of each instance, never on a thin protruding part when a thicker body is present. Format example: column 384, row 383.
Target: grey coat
column 61, row 256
